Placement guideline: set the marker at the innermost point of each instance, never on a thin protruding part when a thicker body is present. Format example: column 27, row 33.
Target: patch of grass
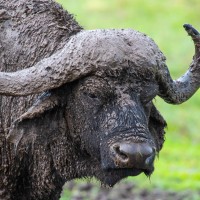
column 178, row 167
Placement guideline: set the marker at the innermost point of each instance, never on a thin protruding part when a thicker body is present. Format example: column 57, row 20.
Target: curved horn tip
column 191, row 30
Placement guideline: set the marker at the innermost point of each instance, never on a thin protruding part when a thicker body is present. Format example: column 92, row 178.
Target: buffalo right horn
column 85, row 53
column 62, row 67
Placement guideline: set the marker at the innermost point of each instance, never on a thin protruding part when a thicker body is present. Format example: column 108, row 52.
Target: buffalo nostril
column 149, row 160
column 123, row 157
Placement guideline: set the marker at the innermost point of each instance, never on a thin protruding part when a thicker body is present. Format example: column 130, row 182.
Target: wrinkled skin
column 115, row 109
column 83, row 105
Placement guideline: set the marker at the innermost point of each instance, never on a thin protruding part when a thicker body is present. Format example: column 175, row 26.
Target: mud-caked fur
column 101, row 89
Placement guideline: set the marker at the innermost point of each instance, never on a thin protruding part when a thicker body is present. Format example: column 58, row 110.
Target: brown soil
column 122, row 191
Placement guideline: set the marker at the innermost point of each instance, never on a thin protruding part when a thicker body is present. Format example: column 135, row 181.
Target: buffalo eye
column 95, row 90
column 92, row 96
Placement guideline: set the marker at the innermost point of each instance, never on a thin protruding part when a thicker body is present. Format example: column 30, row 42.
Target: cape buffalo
column 78, row 103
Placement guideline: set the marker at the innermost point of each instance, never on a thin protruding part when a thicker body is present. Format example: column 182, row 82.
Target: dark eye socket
column 98, row 97
column 92, row 95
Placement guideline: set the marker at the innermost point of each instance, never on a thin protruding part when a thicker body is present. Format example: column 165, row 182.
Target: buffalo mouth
column 113, row 176
column 126, row 158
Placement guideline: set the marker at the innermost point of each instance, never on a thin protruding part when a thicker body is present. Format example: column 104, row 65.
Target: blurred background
column 177, row 170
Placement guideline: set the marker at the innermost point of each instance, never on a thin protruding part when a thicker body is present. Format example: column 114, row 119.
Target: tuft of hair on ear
column 45, row 102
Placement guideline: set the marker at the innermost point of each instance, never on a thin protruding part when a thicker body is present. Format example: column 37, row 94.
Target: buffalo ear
column 46, row 102
column 157, row 125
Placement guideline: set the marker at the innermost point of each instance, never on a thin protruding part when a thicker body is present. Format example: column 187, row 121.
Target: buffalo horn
column 178, row 91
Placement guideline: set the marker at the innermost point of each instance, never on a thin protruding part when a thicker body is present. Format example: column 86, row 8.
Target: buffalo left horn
column 178, row 91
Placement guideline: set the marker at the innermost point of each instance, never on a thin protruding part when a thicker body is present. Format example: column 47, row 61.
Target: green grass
column 178, row 167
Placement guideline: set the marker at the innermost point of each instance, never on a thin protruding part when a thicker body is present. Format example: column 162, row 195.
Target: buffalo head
column 105, row 81
column 117, row 123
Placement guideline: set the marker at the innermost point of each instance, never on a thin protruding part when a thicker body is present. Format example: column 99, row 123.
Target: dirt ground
column 123, row 191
